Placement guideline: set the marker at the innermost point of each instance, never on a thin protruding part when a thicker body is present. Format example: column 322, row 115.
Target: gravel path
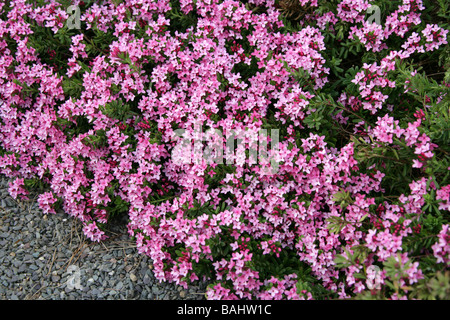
column 47, row 257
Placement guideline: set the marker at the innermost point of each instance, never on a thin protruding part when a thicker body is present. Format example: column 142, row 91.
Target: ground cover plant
column 354, row 200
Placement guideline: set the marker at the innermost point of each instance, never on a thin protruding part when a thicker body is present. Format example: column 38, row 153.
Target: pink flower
column 370, row 35
column 441, row 249
column 91, row 230
column 16, row 188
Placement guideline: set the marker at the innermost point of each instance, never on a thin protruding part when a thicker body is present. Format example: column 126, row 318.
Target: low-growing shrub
column 353, row 201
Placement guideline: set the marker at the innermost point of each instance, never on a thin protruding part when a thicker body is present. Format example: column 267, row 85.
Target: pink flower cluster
column 16, row 188
column 371, row 35
column 352, row 11
column 407, row 15
column 441, row 249
column 181, row 213
column 371, row 81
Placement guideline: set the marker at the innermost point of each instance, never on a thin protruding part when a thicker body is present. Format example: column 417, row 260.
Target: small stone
column 128, row 268
column 28, row 258
column 95, row 292
column 146, row 279
column 106, row 257
column 156, row 290
column 68, row 289
column 130, row 294
column 133, row 277
column 182, row 294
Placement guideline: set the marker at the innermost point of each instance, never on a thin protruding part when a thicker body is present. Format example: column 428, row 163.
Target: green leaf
column 359, row 276
column 336, row 224
column 363, row 217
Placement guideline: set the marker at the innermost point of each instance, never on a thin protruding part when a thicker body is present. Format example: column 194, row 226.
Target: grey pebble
column 8, row 202
column 146, row 279
column 36, row 252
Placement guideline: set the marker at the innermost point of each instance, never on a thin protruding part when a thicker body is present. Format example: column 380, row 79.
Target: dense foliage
column 359, row 204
